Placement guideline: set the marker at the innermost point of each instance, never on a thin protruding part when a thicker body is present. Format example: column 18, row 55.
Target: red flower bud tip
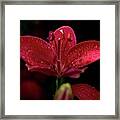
column 30, row 90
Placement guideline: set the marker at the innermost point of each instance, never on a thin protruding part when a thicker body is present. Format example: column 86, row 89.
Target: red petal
column 85, row 92
column 36, row 52
column 77, row 75
column 73, row 72
column 67, row 39
column 47, row 71
column 83, row 54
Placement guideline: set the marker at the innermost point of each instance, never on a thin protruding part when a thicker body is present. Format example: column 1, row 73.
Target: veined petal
column 45, row 70
column 74, row 72
column 36, row 52
column 63, row 39
column 83, row 54
column 67, row 36
column 85, row 92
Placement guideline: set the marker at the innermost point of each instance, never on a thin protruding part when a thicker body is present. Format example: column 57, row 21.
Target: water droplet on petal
column 61, row 31
column 69, row 37
column 41, row 61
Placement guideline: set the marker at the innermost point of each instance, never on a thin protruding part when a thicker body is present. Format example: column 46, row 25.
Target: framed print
column 60, row 59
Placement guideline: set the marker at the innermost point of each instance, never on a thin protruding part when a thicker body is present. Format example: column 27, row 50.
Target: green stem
column 56, row 83
column 59, row 82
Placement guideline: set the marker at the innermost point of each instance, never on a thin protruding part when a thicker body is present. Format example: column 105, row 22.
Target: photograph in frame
column 60, row 64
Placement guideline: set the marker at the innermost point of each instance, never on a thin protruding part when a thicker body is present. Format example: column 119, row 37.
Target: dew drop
column 51, row 36
column 96, row 46
column 41, row 61
column 61, row 31
column 69, row 37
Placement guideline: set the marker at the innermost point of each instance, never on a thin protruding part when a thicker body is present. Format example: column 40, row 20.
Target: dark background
column 84, row 30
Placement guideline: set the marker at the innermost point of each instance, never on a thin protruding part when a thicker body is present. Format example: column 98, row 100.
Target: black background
column 84, row 30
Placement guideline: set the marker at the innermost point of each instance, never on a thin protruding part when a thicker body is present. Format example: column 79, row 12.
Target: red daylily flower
column 61, row 56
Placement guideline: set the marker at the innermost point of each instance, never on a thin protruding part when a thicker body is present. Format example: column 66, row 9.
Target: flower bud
column 64, row 92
